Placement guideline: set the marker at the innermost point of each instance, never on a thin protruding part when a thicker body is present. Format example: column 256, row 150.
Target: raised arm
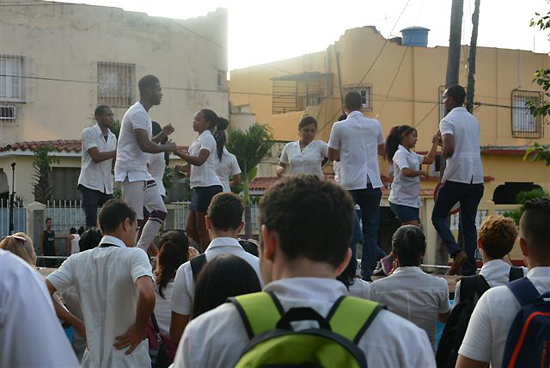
column 194, row 160
column 430, row 157
column 146, row 145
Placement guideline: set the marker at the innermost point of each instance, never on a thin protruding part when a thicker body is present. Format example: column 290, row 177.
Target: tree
column 250, row 148
column 43, row 185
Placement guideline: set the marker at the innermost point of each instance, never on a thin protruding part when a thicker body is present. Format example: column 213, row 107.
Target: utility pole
column 472, row 59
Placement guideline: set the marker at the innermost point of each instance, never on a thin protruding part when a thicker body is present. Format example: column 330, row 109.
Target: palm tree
column 250, row 147
column 43, row 188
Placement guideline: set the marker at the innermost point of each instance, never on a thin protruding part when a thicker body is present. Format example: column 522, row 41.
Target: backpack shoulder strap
column 481, row 285
column 515, row 273
column 197, row 264
column 350, row 316
column 259, row 312
column 468, row 287
column 524, row 291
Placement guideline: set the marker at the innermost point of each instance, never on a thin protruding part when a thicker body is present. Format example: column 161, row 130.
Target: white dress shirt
column 97, row 176
column 360, row 288
column 226, row 168
column 492, row 317
column 30, row 333
column 204, row 175
column 357, row 138
column 105, row 280
column 131, row 161
column 157, row 167
column 163, row 311
column 184, row 285
column 405, row 191
column 464, row 166
column 413, row 294
column 217, row 338
column 306, row 161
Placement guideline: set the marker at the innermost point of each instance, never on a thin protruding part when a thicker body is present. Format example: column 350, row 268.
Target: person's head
column 454, row 96
column 81, row 230
column 72, row 230
column 347, row 277
column 307, row 129
column 352, row 102
column 20, row 244
column 150, row 90
column 173, row 252
column 49, row 223
column 225, row 214
column 497, row 235
column 207, row 119
column 117, row 219
column 535, row 232
column 223, row 277
column 90, row 239
column 305, row 222
column 104, row 116
column 220, row 136
column 409, row 245
column 404, row 135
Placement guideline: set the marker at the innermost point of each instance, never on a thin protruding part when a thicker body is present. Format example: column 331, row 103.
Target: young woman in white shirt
column 226, row 162
column 305, row 155
column 202, row 161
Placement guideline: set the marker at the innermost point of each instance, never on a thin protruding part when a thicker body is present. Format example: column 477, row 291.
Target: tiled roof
column 69, row 145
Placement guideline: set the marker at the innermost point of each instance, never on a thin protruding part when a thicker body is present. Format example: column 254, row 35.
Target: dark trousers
column 91, row 199
column 469, row 196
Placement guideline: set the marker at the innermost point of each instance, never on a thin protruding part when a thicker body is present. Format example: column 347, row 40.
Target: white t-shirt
column 226, row 168
column 157, row 167
column 75, row 247
column 131, row 161
column 357, row 138
column 308, row 160
column 184, row 285
column 464, row 166
column 492, row 317
column 360, row 288
column 413, row 294
column 163, row 311
column 105, row 280
column 217, row 338
column 30, row 333
column 405, row 191
column 97, row 176
column 204, row 175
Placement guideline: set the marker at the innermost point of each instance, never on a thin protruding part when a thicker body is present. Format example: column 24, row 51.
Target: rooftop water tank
column 415, row 36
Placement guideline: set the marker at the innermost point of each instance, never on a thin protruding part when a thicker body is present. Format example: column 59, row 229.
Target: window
column 7, row 112
column 296, row 92
column 222, row 79
column 524, row 124
column 115, row 84
column 366, row 95
column 65, row 181
column 11, row 79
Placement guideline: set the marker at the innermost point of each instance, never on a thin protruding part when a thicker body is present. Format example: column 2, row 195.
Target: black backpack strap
column 524, row 291
column 197, row 264
column 472, row 285
column 515, row 274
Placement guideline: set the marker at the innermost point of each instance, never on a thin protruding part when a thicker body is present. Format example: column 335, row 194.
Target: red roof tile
column 69, row 145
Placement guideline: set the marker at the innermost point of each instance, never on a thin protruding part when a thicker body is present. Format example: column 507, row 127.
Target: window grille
column 524, row 124
column 366, row 95
column 11, row 78
column 7, row 112
column 296, row 92
column 116, row 83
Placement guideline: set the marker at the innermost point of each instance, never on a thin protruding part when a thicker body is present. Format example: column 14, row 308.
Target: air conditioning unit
column 7, row 112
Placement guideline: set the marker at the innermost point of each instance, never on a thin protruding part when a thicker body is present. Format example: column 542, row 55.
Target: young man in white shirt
column 115, row 286
column 462, row 180
column 410, row 292
column 357, row 142
column 306, row 227
column 134, row 146
column 224, row 223
column 495, row 311
column 96, row 180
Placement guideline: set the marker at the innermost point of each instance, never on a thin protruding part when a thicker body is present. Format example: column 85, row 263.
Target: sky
column 264, row 31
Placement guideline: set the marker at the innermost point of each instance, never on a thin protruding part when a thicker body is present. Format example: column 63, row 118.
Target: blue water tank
column 415, row 36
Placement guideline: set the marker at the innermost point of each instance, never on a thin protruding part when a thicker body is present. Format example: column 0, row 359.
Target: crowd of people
column 295, row 297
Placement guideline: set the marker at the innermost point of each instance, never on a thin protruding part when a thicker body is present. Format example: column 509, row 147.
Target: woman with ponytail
column 226, row 162
column 202, row 160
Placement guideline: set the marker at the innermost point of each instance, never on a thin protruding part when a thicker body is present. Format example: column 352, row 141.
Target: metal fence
column 19, row 218
column 65, row 214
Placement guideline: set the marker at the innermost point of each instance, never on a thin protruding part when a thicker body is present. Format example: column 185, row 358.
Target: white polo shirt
column 97, row 176
column 131, row 161
column 184, row 285
column 413, row 294
column 464, row 166
column 306, row 161
column 492, row 317
column 157, row 167
column 217, row 338
column 405, row 191
column 357, row 138
column 105, row 281
column 30, row 333
column 204, row 175
column 226, row 168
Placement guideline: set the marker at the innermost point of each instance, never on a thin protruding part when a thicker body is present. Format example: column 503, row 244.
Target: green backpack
column 274, row 343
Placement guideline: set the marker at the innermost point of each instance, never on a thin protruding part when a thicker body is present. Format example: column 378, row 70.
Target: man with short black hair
column 306, row 226
column 115, row 287
column 224, row 223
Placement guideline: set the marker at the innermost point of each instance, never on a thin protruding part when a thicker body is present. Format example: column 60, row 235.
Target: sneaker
column 459, row 260
column 387, row 265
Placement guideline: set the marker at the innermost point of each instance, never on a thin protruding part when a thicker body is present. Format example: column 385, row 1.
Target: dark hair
column 409, row 243
column 226, row 211
column 497, row 235
column 146, row 83
column 90, row 239
column 113, row 213
column 394, row 139
column 220, row 136
column 347, row 277
column 48, row 219
column 174, row 251
column 101, row 109
column 353, row 101
column 535, row 227
column 306, row 120
column 313, row 218
column 81, row 230
column 214, row 120
column 223, row 277
column 72, row 230
column 458, row 94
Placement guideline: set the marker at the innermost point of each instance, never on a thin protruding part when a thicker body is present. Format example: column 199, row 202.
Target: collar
column 539, row 272
column 307, row 288
column 207, row 132
column 407, row 270
column 403, row 148
column 223, row 242
column 354, row 113
column 98, row 131
column 108, row 239
column 458, row 109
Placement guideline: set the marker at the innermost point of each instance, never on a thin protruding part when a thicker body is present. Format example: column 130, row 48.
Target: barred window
column 11, row 78
column 524, row 124
column 366, row 95
column 115, row 84
column 296, row 92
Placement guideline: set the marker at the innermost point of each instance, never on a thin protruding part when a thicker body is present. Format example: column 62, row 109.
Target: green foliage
column 115, row 128
column 522, row 198
column 43, row 185
column 538, row 152
column 168, row 178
